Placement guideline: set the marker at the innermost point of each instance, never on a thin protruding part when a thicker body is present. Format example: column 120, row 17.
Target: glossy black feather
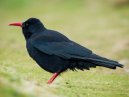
column 54, row 52
column 63, row 49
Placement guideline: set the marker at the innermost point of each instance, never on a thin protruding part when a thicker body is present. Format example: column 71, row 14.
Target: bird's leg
column 53, row 77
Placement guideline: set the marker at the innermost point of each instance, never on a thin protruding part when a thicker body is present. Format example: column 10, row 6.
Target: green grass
column 96, row 24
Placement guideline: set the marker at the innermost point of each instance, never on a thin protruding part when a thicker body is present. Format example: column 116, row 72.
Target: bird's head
column 30, row 26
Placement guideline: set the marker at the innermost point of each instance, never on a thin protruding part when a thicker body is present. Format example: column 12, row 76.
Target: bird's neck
column 27, row 35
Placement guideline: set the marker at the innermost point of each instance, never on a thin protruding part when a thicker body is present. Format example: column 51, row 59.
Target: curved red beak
column 16, row 24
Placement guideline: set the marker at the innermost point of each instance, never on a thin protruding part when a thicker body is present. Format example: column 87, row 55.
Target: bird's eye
column 26, row 24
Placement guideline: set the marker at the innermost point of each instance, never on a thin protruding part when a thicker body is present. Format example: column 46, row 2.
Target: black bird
column 56, row 53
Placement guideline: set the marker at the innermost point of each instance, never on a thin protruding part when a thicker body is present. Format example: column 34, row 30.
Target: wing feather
column 62, row 49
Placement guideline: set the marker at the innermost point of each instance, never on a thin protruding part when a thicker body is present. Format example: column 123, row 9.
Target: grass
column 96, row 24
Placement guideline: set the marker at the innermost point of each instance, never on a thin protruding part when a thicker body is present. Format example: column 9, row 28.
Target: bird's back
column 50, row 36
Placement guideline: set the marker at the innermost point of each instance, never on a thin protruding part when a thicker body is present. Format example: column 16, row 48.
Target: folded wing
column 65, row 50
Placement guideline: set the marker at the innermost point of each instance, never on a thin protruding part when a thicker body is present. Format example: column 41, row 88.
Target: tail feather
column 100, row 61
column 105, row 63
column 95, row 60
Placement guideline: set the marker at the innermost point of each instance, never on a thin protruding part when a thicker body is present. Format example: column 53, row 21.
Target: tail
column 94, row 60
column 104, row 62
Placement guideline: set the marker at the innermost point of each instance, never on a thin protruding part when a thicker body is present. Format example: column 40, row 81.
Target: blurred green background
column 100, row 25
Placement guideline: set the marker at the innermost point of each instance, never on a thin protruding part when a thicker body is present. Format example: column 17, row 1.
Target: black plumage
column 55, row 53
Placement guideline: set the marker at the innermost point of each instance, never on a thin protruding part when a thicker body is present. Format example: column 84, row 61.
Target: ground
column 101, row 26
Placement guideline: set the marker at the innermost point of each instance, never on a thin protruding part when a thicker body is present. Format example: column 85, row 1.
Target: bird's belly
column 50, row 63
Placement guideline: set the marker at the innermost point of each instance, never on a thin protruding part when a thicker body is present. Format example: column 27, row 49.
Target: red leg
column 52, row 78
